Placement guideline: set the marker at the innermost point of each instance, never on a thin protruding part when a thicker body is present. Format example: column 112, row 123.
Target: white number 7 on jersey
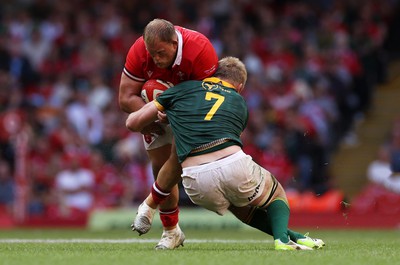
column 217, row 104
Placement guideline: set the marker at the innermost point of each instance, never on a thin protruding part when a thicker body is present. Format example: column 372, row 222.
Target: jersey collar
column 178, row 58
column 216, row 80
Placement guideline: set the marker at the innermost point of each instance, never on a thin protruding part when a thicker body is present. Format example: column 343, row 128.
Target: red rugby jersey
column 196, row 59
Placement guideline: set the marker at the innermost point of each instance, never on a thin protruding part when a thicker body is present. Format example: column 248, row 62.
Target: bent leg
column 168, row 174
column 273, row 220
column 259, row 218
column 145, row 213
column 167, row 171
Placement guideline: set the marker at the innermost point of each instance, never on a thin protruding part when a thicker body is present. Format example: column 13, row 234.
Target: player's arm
column 139, row 119
column 131, row 101
column 129, row 94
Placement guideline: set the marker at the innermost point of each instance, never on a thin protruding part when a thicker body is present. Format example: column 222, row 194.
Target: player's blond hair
column 158, row 30
column 233, row 70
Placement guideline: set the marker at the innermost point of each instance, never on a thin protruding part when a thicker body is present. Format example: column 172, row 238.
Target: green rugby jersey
column 201, row 112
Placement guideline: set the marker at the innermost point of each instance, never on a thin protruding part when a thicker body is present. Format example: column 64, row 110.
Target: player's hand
column 154, row 127
column 162, row 117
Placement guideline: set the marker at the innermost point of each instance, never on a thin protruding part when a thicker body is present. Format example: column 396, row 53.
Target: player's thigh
column 244, row 213
column 204, row 190
column 243, row 180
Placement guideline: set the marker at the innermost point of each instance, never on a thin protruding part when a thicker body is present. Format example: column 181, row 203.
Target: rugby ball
column 152, row 88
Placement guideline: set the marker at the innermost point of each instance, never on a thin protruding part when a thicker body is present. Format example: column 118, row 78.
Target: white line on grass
column 123, row 241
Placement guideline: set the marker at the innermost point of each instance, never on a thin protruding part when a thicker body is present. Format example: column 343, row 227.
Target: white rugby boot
column 143, row 219
column 171, row 239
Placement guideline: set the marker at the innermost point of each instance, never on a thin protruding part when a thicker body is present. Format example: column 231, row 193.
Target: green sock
column 261, row 220
column 295, row 235
column 278, row 215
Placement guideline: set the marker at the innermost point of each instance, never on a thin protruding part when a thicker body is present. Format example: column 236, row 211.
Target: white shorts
column 235, row 180
column 153, row 141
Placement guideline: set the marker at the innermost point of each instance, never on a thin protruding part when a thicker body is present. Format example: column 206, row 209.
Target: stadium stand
column 314, row 73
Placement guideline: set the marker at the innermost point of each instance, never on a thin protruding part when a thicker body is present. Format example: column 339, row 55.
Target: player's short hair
column 158, row 30
column 232, row 69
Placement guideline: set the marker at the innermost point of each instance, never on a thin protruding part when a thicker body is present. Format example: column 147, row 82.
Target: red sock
column 158, row 194
column 169, row 217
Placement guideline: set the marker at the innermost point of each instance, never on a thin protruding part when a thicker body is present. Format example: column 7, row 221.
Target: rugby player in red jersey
column 172, row 54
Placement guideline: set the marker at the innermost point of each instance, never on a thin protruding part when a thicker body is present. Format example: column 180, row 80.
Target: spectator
column 382, row 192
column 100, row 94
column 393, row 182
column 43, row 165
column 277, row 161
column 36, row 49
column 74, row 188
column 7, row 188
column 379, row 170
column 86, row 119
column 110, row 186
column 21, row 69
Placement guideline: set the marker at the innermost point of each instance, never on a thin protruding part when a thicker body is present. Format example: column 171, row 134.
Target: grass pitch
column 224, row 246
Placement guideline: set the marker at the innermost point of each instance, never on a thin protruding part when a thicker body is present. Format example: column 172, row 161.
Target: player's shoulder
column 139, row 45
column 138, row 50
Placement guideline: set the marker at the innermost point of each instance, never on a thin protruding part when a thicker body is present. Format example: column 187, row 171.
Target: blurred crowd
column 313, row 68
column 382, row 192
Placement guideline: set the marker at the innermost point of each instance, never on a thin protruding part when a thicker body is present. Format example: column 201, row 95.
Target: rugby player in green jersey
column 207, row 118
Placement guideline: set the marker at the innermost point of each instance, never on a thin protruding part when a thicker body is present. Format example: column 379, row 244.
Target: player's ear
column 175, row 44
column 240, row 87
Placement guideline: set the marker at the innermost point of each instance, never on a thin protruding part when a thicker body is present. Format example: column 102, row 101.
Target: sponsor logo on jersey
column 257, row 189
column 209, row 86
